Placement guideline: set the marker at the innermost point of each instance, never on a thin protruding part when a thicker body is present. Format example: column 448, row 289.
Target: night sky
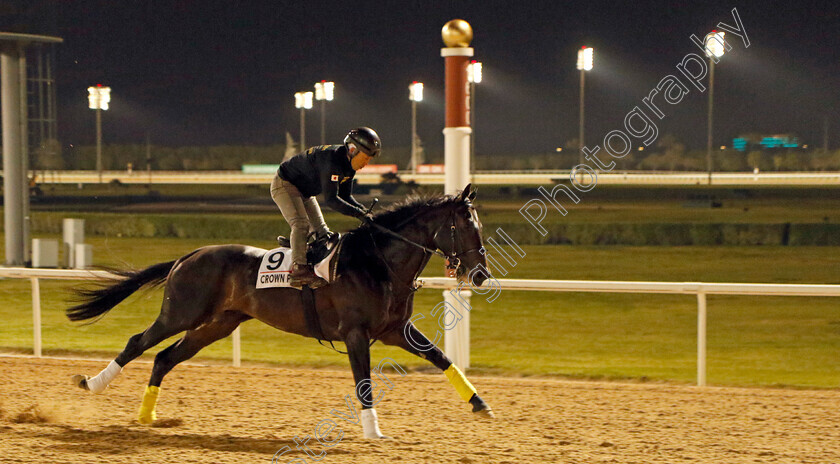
column 225, row 72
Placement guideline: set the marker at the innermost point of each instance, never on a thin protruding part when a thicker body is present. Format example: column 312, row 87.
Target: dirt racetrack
column 218, row 414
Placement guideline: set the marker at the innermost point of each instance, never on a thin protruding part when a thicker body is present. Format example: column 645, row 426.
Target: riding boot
column 304, row 274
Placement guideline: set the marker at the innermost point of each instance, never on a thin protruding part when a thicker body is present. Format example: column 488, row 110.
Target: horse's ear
column 471, row 196
column 465, row 192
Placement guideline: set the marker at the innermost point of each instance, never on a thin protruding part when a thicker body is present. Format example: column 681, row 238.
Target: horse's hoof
column 80, row 381
column 480, row 407
column 488, row 413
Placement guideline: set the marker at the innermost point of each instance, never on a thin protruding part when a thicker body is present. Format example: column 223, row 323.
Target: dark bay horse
column 210, row 291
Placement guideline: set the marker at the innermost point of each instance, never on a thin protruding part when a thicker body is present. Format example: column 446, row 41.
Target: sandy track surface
column 218, row 414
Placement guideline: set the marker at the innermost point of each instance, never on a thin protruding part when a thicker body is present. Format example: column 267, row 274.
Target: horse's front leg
column 358, row 350
column 413, row 341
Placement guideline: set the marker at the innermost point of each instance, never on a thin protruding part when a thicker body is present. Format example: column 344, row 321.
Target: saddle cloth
column 276, row 266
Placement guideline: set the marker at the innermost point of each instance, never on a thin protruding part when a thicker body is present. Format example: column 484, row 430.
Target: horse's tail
column 98, row 301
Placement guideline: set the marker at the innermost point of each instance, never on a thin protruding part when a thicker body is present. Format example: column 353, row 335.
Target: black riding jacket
column 324, row 169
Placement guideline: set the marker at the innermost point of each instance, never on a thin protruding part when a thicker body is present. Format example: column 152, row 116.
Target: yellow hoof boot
column 463, row 386
column 147, row 415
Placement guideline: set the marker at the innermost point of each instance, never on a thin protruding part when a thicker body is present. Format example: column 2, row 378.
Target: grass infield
column 790, row 341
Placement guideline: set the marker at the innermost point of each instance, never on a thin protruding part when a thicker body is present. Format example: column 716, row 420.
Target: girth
column 310, row 315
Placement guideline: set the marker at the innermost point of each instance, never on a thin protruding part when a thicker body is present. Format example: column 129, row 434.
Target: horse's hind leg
column 167, row 324
column 185, row 348
column 413, row 341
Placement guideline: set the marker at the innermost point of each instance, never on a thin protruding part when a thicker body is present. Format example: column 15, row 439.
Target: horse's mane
column 358, row 251
column 396, row 214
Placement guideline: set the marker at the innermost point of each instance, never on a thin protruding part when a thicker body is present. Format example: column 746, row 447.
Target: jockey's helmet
column 365, row 139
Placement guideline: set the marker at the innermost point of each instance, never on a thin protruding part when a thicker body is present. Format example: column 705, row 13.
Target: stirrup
column 307, row 279
column 328, row 238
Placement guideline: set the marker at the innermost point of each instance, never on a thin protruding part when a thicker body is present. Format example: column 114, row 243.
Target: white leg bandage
column 370, row 424
column 99, row 383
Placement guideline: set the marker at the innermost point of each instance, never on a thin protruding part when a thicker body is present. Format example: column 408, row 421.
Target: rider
column 327, row 170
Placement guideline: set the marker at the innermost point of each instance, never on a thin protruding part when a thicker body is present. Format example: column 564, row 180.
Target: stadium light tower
column 715, row 48
column 324, row 92
column 584, row 63
column 303, row 100
column 98, row 99
column 415, row 94
column 474, row 77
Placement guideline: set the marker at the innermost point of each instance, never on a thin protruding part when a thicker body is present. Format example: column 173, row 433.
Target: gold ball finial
column 457, row 33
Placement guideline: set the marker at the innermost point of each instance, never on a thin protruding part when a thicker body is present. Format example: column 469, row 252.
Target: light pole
column 303, row 100
column 474, row 77
column 714, row 49
column 98, row 99
column 324, row 92
column 415, row 94
column 584, row 63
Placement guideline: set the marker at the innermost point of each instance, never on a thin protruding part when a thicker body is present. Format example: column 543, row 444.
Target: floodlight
column 715, row 44
column 474, row 72
column 324, row 90
column 585, row 58
column 303, row 100
column 99, row 97
column 415, row 91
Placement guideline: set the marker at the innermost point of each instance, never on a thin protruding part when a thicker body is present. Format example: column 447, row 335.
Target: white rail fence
column 525, row 177
column 699, row 289
column 34, row 275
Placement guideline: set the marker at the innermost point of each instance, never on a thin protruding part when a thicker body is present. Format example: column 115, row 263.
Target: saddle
column 317, row 248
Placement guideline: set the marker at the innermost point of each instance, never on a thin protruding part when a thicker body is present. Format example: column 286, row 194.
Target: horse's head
column 459, row 237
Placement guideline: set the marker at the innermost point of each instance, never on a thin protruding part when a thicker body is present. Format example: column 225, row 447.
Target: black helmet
column 365, row 139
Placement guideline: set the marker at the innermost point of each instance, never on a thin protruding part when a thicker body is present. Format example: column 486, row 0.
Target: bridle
column 453, row 258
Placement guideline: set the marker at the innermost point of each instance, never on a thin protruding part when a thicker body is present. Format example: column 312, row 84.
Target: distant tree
column 695, row 160
column 792, row 161
column 654, row 161
column 420, row 154
column 825, row 161
column 291, row 147
column 671, row 154
column 755, row 159
column 731, row 160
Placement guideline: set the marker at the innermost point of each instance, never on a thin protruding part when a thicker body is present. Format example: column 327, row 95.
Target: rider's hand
column 366, row 218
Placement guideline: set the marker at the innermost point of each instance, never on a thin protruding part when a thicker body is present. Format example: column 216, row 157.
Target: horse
column 210, row 291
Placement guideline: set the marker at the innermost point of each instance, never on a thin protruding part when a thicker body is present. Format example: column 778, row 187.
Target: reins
column 412, row 287
column 406, row 240
column 453, row 260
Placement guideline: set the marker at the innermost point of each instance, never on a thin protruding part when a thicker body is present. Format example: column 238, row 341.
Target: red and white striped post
column 457, row 35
